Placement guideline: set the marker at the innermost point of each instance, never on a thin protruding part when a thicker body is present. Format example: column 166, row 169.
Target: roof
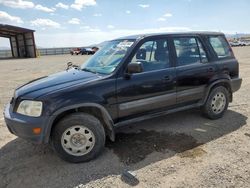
column 171, row 33
column 10, row 30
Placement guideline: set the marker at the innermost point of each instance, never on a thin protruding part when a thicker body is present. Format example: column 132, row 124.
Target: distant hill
column 238, row 35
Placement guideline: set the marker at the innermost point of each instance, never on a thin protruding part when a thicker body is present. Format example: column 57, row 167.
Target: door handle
column 211, row 69
column 166, row 78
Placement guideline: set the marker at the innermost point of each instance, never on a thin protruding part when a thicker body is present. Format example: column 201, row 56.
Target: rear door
column 193, row 69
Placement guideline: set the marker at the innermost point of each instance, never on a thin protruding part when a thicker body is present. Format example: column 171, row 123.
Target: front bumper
column 235, row 84
column 22, row 126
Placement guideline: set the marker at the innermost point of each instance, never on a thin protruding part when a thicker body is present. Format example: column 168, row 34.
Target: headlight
column 30, row 108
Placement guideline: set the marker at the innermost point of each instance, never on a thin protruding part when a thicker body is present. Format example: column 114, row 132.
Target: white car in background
column 239, row 43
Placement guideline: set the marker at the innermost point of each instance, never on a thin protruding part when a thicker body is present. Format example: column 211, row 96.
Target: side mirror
column 135, row 67
column 69, row 65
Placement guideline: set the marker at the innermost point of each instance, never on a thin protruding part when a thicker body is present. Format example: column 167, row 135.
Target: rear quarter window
column 220, row 47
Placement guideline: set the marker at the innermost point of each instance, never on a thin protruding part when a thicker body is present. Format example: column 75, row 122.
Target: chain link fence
column 5, row 53
column 40, row 52
column 53, row 51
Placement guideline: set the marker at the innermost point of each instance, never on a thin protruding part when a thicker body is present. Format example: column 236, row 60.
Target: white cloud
column 6, row 18
column 128, row 11
column 44, row 9
column 97, row 15
column 95, row 36
column 17, row 4
column 86, row 27
column 90, row 29
column 79, row 4
column 164, row 17
column 22, row 4
column 161, row 19
column 144, row 5
column 45, row 23
column 168, row 15
column 77, row 7
column 74, row 21
column 110, row 26
column 94, row 30
column 61, row 5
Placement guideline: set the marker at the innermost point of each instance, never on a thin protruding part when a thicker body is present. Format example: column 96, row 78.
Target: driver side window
column 153, row 55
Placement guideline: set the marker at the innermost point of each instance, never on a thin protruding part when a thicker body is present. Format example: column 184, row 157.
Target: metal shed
column 22, row 40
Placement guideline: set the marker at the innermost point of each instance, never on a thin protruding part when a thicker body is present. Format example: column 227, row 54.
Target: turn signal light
column 37, row 130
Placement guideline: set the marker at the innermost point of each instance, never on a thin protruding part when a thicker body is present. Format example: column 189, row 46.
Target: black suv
column 128, row 80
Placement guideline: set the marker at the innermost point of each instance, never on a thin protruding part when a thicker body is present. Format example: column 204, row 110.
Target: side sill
column 154, row 115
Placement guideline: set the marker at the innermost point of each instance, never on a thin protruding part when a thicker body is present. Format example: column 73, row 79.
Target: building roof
column 10, row 30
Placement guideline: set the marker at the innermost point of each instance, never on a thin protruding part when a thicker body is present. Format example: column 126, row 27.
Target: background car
column 89, row 51
column 75, row 51
column 239, row 43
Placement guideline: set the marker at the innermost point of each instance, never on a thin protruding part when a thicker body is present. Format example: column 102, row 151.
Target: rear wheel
column 78, row 137
column 217, row 103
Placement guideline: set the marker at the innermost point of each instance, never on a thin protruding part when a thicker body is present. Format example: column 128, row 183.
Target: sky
column 66, row 23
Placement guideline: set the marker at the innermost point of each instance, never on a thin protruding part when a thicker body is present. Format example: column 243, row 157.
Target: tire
column 81, row 132
column 217, row 103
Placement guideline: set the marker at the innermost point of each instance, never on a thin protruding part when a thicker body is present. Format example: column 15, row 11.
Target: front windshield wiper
column 89, row 70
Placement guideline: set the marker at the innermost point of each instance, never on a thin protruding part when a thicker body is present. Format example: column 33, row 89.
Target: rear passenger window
column 189, row 50
column 220, row 47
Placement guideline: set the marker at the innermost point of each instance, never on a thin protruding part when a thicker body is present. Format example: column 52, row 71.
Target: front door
column 152, row 89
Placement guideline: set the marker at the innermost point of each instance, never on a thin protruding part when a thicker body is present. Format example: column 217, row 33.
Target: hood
column 56, row 81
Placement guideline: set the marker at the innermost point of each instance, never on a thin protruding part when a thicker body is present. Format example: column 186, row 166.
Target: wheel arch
column 222, row 82
column 94, row 109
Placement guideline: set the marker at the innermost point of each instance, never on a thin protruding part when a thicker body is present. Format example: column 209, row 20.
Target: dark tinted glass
column 187, row 51
column 153, row 55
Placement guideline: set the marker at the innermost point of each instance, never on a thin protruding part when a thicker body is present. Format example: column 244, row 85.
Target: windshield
column 108, row 57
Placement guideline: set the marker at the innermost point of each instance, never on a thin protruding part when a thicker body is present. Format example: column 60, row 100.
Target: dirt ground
column 178, row 150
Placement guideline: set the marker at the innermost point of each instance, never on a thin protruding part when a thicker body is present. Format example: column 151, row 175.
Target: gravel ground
column 178, row 150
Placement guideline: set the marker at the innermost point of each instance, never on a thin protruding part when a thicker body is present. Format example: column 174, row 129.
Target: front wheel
column 78, row 137
column 217, row 103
